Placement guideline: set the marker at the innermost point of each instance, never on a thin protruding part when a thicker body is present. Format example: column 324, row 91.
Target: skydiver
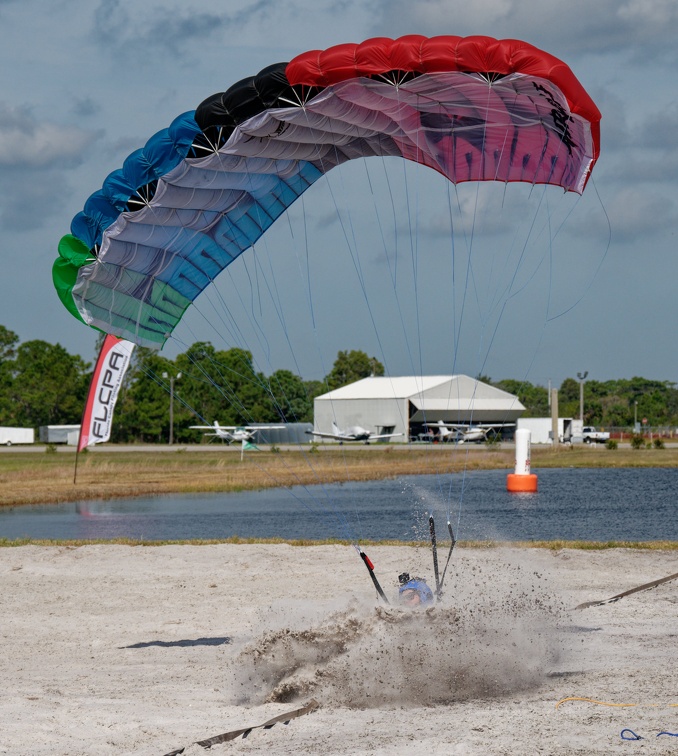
column 414, row 591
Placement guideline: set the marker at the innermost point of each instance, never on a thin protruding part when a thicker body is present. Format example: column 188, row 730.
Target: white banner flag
column 109, row 371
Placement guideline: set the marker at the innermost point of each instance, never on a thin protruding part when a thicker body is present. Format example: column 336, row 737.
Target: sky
column 365, row 261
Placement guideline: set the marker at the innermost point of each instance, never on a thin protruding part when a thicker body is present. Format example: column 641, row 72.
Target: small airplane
column 231, row 433
column 354, row 433
column 460, row 434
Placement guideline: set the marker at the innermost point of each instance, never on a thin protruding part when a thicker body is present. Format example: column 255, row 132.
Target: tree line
column 43, row 384
column 614, row 403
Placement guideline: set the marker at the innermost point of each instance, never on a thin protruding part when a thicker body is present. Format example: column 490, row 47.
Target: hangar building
column 408, row 404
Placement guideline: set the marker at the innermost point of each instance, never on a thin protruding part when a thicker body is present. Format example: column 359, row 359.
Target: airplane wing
column 236, row 427
column 484, row 426
column 385, row 435
column 330, row 435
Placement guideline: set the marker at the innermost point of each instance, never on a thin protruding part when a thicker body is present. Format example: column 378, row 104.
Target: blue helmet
column 420, row 587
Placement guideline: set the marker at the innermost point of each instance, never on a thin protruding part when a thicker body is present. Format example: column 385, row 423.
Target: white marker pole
column 523, row 444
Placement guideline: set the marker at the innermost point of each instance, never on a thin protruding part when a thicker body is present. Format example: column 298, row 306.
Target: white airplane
column 354, row 433
column 231, row 433
column 460, row 434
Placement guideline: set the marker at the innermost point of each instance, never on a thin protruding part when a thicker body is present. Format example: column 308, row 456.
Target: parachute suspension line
column 469, row 241
column 388, row 262
column 355, row 258
column 316, row 337
column 230, row 394
column 330, row 512
column 414, row 250
column 224, row 387
column 392, row 269
column 415, row 260
column 600, row 262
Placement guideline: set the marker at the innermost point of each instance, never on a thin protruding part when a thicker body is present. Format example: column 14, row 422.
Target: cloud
column 660, row 130
column 27, row 142
column 84, row 107
column 27, row 204
column 138, row 29
column 635, row 214
column 577, row 26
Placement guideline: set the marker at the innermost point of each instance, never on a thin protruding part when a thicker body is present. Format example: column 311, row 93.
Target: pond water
column 597, row 504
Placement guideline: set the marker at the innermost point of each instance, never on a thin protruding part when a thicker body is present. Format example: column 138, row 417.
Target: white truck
column 592, row 436
column 9, row 436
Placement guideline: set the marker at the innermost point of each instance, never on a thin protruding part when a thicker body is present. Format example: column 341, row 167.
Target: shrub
column 637, row 441
column 658, row 443
column 50, row 448
column 611, row 443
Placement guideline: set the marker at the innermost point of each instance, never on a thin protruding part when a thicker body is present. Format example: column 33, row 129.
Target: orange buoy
column 522, row 480
column 521, row 483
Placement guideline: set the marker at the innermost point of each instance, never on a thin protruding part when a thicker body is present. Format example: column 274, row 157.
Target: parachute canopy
column 203, row 190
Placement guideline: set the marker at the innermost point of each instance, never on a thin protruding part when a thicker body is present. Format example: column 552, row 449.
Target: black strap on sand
column 449, row 554
column 225, row 737
column 644, row 587
column 370, row 569
column 434, row 549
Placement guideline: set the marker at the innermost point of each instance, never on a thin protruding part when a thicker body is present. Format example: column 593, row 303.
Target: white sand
column 113, row 649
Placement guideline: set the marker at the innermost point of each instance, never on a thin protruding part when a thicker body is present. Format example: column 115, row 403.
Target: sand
column 145, row 650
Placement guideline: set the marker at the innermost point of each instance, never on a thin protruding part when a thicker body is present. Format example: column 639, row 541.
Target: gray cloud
column 575, row 27
column 174, row 30
column 635, row 214
column 27, row 203
column 28, row 142
column 84, row 107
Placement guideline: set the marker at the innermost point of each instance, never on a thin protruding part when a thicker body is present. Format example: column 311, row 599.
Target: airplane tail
column 443, row 430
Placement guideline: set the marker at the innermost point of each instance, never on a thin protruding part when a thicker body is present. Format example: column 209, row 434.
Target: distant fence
column 649, row 431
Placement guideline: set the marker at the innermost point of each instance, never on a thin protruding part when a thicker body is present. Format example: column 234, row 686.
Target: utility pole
column 554, row 418
column 582, row 378
column 171, row 406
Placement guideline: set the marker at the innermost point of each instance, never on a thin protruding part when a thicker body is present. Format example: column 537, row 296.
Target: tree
column 48, row 385
column 8, row 342
column 350, row 367
column 142, row 410
column 289, row 398
column 534, row 398
column 568, row 398
column 224, row 386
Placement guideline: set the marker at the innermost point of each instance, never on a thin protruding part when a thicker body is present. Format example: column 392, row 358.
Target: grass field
column 43, row 478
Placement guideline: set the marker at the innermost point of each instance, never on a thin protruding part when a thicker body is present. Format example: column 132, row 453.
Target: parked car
column 592, row 436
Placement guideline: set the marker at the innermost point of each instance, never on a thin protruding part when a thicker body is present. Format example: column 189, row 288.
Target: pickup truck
column 592, row 436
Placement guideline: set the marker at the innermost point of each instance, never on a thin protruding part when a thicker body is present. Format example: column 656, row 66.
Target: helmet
column 420, row 587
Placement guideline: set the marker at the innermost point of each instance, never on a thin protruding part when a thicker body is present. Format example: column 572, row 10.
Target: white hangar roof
column 432, row 394
column 397, row 387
